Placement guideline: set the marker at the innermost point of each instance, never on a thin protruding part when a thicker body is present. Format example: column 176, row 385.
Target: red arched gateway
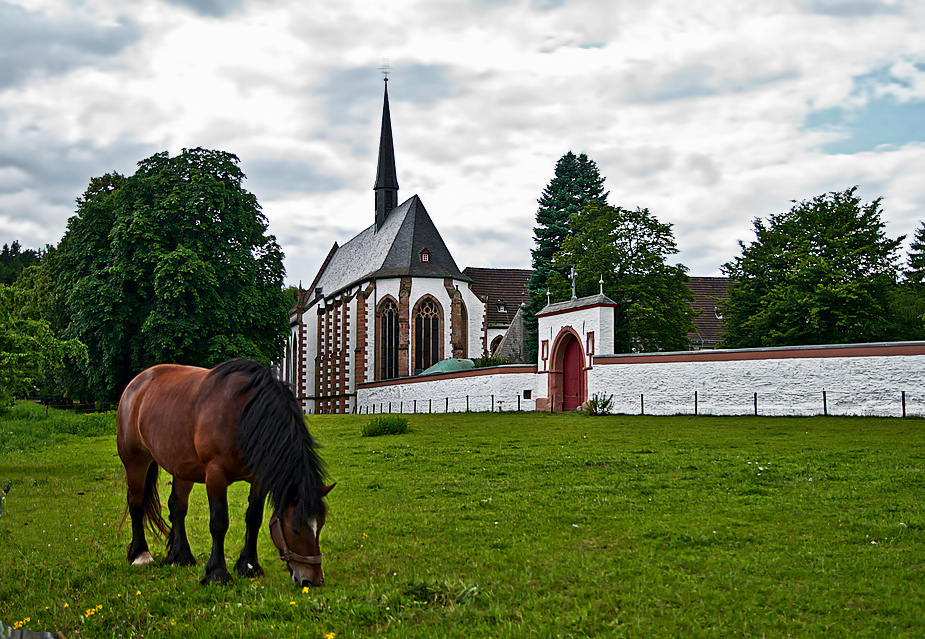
column 567, row 375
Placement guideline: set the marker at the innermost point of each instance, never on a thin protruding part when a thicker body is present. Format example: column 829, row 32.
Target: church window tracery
column 387, row 323
column 428, row 318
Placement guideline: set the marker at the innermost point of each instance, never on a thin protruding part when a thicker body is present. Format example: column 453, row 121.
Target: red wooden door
column 572, row 378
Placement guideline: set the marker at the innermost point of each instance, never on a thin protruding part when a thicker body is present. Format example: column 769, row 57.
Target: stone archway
column 567, row 375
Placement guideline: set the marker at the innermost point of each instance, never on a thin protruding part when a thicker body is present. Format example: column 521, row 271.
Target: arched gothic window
column 387, row 338
column 428, row 341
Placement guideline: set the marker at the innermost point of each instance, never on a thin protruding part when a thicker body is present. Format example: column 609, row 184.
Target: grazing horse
column 231, row 423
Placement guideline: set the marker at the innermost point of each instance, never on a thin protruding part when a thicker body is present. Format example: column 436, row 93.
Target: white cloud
column 697, row 111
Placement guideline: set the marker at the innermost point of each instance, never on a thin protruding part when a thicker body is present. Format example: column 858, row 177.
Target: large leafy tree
column 629, row 250
column 821, row 273
column 28, row 346
column 577, row 183
column 172, row 264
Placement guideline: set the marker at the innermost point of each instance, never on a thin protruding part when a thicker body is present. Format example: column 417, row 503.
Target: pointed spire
column 386, row 187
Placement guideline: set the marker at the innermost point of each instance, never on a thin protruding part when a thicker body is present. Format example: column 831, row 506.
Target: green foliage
column 821, row 273
column 600, row 404
column 629, row 250
column 486, row 361
column 30, row 426
column 915, row 273
column 577, row 183
column 28, row 347
column 507, row 525
column 172, row 264
column 385, row 425
column 14, row 260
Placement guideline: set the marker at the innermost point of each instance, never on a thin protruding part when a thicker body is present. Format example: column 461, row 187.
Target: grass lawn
column 506, row 525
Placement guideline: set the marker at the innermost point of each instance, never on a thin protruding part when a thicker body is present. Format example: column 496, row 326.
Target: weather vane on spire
column 385, row 68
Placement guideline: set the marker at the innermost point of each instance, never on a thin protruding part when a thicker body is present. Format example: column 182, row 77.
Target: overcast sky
column 708, row 113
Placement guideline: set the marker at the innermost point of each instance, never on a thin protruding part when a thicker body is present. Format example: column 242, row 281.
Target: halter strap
column 285, row 553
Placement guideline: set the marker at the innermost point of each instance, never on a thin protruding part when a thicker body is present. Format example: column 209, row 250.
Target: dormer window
column 502, row 307
column 425, row 257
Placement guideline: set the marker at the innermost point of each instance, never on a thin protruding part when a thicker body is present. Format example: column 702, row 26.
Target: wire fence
column 898, row 403
column 771, row 402
column 447, row 404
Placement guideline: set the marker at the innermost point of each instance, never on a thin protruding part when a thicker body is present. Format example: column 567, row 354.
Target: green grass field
column 506, row 525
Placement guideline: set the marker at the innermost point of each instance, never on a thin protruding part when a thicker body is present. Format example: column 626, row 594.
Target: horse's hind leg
column 217, row 489
column 247, row 565
column 135, row 476
column 178, row 549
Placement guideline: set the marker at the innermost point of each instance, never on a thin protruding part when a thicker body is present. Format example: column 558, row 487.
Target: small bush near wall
column 386, row 425
column 486, row 361
column 600, row 404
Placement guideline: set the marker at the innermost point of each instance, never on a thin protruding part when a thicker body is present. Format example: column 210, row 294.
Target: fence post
column 492, row 403
column 825, row 404
column 695, row 402
column 756, row 404
column 467, row 403
column 415, row 407
column 447, row 409
column 401, row 407
column 390, row 408
column 518, row 403
column 642, row 404
column 430, row 405
column 904, row 402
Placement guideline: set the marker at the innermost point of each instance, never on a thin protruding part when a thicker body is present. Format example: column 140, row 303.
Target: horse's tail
column 152, row 504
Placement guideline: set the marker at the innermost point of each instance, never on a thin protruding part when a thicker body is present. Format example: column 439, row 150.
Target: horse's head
column 298, row 543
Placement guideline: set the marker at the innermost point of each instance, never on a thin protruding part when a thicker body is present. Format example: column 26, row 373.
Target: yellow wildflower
column 330, row 635
column 305, row 590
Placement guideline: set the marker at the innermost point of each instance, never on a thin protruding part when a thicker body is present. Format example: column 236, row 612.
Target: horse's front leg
column 247, row 565
column 217, row 489
column 178, row 549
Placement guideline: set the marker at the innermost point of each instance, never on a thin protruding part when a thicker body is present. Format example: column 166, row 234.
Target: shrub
column 386, row 425
column 600, row 404
column 487, row 360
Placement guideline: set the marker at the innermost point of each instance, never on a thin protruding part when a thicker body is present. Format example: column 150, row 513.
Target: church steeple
column 386, row 188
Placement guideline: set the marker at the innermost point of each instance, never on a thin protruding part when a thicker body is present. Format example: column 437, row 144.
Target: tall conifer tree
column 916, row 259
column 577, row 183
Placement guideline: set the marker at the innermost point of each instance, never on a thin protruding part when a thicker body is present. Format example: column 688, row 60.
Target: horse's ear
column 326, row 489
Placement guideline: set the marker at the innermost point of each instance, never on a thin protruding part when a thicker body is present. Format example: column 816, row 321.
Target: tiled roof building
column 709, row 293
column 388, row 303
column 503, row 290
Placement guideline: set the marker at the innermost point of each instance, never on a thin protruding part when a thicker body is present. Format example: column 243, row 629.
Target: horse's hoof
column 248, row 570
column 143, row 559
column 219, row 576
column 181, row 560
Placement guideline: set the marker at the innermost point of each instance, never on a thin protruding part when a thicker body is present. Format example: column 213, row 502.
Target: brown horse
column 231, row 423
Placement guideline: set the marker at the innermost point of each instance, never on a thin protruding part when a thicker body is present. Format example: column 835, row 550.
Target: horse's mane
column 274, row 442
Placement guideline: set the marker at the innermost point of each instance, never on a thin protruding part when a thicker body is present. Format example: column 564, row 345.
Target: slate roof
column 392, row 251
column 509, row 285
column 581, row 302
column 512, row 345
column 708, row 292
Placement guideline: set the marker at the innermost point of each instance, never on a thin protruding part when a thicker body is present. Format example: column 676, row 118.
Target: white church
column 387, row 304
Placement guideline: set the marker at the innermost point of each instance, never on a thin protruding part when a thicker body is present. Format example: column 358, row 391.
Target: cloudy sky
column 709, row 113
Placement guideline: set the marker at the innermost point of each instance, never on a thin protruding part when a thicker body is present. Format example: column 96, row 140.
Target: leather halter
column 285, row 553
